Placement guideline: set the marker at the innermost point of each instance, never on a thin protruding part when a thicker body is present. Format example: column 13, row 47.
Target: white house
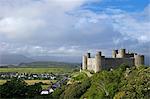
column 51, row 90
column 44, row 92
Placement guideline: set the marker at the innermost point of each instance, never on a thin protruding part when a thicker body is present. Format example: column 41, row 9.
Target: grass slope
column 121, row 83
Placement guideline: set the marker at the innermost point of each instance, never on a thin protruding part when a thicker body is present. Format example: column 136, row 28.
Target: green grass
column 2, row 82
column 31, row 82
column 48, row 82
column 37, row 70
column 45, row 86
column 79, row 76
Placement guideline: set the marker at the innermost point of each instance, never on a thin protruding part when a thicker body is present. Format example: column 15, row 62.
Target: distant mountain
column 6, row 59
column 37, row 61
column 49, row 64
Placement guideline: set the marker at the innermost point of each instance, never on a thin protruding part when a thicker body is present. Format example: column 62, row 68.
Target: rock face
column 99, row 62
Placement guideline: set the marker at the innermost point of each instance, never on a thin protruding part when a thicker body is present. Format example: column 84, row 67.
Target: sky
column 74, row 27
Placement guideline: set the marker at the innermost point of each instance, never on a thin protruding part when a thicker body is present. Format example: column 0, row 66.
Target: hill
column 123, row 82
column 7, row 59
column 48, row 64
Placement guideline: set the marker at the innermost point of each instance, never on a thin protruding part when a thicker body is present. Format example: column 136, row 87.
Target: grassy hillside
column 123, row 82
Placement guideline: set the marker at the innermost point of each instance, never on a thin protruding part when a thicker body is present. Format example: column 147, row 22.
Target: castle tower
column 122, row 53
column 84, row 62
column 114, row 53
column 138, row 60
column 97, row 62
column 88, row 55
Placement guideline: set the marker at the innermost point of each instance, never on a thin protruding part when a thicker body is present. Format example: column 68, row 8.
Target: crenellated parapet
column 119, row 54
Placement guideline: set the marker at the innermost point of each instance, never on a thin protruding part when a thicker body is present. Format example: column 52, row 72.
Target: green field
column 37, row 70
column 31, row 82
column 2, row 82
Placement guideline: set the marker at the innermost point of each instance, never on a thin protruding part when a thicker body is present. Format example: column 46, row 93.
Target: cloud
column 20, row 27
column 34, row 50
column 131, row 26
column 63, row 27
column 23, row 18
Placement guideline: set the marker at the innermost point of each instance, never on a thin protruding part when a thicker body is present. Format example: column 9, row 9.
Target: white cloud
column 22, row 18
column 19, row 27
column 35, row 50
column 53, row 27
column 130, row 26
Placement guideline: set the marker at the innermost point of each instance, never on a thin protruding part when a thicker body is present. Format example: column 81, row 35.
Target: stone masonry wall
column 113, row 62
column 90, row 63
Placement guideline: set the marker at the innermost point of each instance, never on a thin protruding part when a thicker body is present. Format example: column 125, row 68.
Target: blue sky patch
column 126, row 5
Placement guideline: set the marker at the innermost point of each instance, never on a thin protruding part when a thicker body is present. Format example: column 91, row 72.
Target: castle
column 119, row 57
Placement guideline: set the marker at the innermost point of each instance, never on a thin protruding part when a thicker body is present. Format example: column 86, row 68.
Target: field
column 31, row 82
column 37, row 70
column 2, row 82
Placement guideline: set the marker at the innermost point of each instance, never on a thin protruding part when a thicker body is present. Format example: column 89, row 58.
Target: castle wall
column 103, row 62
column 123, row 55
column 139, row 60
column 90, row 63
column 114, row 62
column 128, row 55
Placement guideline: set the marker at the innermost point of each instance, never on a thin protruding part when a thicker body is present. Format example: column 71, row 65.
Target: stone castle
column 119, row 57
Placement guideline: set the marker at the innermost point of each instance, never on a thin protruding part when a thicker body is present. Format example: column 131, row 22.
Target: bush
column 76, row 90
column 16, row 88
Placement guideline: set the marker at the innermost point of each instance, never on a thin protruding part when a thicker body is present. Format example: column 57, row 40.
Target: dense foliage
column 136, row 84
column 16, row 88
column 75, row 90
column 123, row 82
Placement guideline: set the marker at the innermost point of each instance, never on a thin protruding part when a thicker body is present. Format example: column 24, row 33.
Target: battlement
column 99, row 62
column 121, row 54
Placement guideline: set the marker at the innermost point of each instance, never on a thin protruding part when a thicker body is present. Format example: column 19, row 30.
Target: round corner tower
column 138, row 60
column 98, row 62
column 122, row 53
column 114, row 52
column 84, row 62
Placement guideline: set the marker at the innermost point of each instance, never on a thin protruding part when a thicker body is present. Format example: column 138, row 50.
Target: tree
column 14, row 88
column 17, row 88
column 34, row 90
